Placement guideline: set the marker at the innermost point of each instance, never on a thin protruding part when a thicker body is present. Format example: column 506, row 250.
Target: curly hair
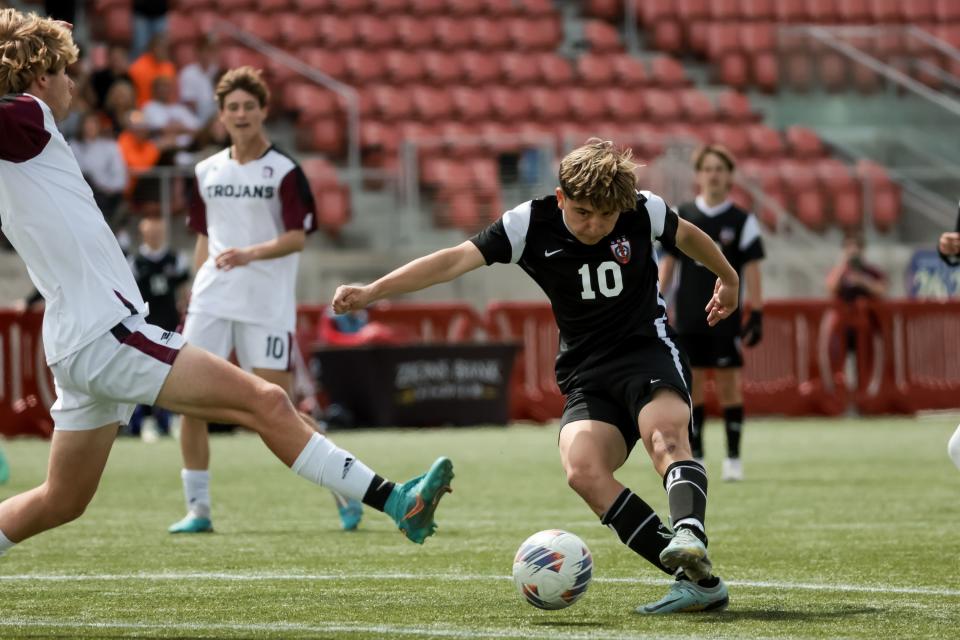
column 31, row 46
column 601, row 175
column 247, row 79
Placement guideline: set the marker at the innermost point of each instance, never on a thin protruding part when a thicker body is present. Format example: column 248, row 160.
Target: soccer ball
column 552, row 569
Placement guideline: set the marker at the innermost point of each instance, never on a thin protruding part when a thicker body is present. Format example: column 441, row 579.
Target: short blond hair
column 601, row 175
column 247, row 79
column 31, row 46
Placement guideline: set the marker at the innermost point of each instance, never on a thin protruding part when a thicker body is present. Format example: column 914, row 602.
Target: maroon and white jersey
column 49, row 215
column 239, row 205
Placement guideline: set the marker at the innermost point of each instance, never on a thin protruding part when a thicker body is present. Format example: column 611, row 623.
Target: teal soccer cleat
column 4, row 468
column 686, row 551
column 689, row 597
column 351, row 512
column 192, row 524
column 412, row 504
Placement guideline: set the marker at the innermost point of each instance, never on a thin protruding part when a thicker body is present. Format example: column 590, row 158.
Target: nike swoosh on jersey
column 547, row 254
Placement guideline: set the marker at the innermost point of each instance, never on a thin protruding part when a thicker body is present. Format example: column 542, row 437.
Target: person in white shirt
column 197, row 82
column 102, row 165
column 165, row 116
column 252, row 210
column 104, row 357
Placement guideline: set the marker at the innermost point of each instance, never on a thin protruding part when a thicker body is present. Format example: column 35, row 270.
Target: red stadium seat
column 326, row 136
column 758, row 37
column 432, row 105
column 882, row 194
column 422, row 8
column 295, row 32
column 479, row 68
column 630, row 71
column 661, row 105
column 609, row 10
column 720, row 10
column 722, row 38
column 117, row 24
column 733, row 71
column 595, row 69
column 510, row 105
column 352, row 6
column 488, row 33
column 758, row 9
column 363, row 66
column 735, row 107
column 650, row 12
column 534, row 7
column 804, row 143
column 462, row 8
column 549, row 104
column 885, row 10
column 766, row 71
column 392, row 104
column 668, row 37
column 843, row 192
column 450, row 34
column 765, row 142
column 733, row 137
column 553, row 69
column 624, row 104
column 690, row 10
column 335, row 32
column 182, row 28
column 440, row 68
column 403, row 67
column 917, row 11
column 822, row 11
column 310, row 101
column 601, row 37
column 376, row 33
column 414, row 32
column 667, row 72
column 806, row 200
column 471, row 105
column 832, row 71
column 254, row 24
column 516, row 70
column 852, row 11
column 379, row 138
column 330, row 62
column 584, row 105
column 696, row 106
column 534, row 34
column 459, row 209
column 787, row 11
column 502, row 8
column 274, row 6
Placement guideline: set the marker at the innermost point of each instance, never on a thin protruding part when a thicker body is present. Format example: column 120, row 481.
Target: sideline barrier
column 908, row 356
column 26, row 388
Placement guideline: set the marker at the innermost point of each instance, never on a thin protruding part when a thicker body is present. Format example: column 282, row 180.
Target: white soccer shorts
column 256, row 346
column 103, row 382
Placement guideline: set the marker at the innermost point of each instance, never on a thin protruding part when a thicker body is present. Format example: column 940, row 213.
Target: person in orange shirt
column 142, row 153
column 155, row 62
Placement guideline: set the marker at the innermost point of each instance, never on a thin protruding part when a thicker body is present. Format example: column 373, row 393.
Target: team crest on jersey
column 621, row 249
column 727, row 235
column 268, row 172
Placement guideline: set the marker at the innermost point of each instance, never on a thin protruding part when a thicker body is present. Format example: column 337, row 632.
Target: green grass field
column 843, row 529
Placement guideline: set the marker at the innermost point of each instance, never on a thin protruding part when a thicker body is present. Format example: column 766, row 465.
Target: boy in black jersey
column 590, row 248
column 717, row 348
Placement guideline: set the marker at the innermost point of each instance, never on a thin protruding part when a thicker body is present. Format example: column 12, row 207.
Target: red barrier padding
column 915, row 362
column 535, row 395
column 26, row 391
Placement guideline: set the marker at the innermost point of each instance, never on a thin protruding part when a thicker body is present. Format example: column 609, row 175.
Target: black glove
column 752, row 331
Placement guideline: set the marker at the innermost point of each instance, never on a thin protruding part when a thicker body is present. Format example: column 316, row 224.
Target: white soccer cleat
column 732, row 470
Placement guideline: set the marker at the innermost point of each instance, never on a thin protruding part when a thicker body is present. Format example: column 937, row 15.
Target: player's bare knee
column 666, row 442
column 272, row 405
column 584, row 478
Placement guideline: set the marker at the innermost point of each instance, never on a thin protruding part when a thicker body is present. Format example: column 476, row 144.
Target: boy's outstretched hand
column 723, row 303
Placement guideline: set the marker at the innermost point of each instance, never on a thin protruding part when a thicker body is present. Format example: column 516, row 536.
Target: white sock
column 5, row 544
column 196, row 491
column 953, row 447
column 328, row 465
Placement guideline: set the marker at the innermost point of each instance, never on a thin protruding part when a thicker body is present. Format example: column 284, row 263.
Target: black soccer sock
column 696, row 431
column 686, row 485
column 733, row 417
column 638, row 527
column 378, row 492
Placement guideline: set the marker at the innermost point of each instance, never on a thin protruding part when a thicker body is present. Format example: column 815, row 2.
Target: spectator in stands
column 852, row 279
column 149, row 66
column 120, row 100
column 949, row 248
column 103, row 79
column 102, row 164
column 142, row 153
column 166, row 117
column 196, row 82
column 149, row 21
column 159, row 272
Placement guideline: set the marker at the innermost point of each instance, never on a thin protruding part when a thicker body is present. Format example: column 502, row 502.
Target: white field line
column 456, row 577
column 382, row 630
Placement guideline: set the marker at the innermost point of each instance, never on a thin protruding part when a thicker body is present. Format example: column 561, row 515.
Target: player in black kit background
column 590, row 248
column 717, row 348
